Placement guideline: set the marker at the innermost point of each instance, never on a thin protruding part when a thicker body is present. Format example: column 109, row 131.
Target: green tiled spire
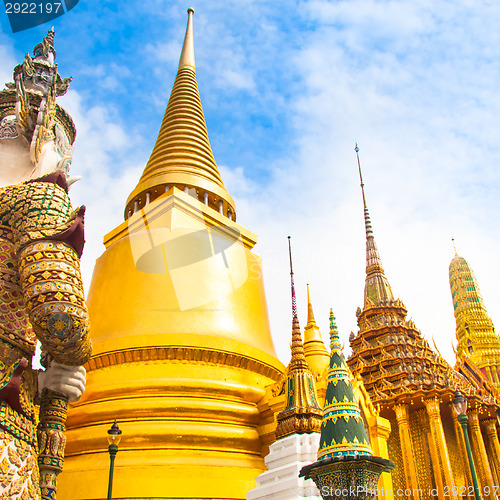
column 342, row 429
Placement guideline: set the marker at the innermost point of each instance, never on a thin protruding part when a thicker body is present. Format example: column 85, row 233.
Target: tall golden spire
column 182, row 156
column 317, row 356
column 377, row 288
column 302, row 412
column 476, row 334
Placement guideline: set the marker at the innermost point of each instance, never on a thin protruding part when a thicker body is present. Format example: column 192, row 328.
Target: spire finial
column 454, row 247
column 310, row 313
column 377, row 288
column 187, row 54
column 334, row 333
column 360, row 175
column 294, row 300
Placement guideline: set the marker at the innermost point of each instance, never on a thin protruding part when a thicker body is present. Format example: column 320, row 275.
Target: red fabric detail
column 10, row 393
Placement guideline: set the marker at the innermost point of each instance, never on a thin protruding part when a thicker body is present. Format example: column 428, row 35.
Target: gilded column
column 403, row 419
column 461, row 446
column 490, row 427
column 439, row 450
column 480, row 456
column 379, row 434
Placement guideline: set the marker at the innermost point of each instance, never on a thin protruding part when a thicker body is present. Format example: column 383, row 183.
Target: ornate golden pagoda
column 476, row 334
column 182, row 347
column 413, row 387
column 302, row 412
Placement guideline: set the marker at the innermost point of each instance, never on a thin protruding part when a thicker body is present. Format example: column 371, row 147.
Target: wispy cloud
column 287, row 88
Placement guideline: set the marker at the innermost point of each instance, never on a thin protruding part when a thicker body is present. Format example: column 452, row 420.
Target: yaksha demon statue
column 41, row 293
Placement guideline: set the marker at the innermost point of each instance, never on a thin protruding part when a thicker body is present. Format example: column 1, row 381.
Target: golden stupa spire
column 317, row 356
column 310, row 314
column 377, row 288
column 182, row 156
column 302, row 412
column 187, row 54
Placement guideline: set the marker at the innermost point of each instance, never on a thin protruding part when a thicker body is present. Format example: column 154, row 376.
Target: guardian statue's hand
column 69, row 380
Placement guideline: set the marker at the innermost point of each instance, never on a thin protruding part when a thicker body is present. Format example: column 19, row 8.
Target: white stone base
column 281, row 480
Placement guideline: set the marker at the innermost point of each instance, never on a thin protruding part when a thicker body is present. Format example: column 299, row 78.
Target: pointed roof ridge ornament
column 187, row 53
column 377, row 288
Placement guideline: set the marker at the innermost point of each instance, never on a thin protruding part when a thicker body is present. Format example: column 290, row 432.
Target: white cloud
column 414, row 83
column 104, row 188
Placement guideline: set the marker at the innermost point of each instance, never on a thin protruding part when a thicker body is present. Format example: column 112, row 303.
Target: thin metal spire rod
column 294, row 300
column 360, row 175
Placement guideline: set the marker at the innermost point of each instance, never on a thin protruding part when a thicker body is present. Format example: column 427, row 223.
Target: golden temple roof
column 389, row 352
column 182, row 156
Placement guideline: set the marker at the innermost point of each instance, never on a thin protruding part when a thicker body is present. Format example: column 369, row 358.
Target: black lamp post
column 114, row 436
column 460, row 404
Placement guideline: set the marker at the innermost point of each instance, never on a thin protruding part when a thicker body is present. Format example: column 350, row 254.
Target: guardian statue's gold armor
column 41, row 293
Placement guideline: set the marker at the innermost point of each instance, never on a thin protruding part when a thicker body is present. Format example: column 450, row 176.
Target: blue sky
column 287, row 89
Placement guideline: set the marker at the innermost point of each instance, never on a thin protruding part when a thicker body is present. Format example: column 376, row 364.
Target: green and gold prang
column 342, row 429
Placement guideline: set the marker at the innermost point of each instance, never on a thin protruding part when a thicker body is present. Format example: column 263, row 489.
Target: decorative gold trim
column 184, row 354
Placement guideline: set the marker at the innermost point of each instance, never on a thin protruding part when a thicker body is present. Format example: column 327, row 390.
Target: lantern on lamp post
column 114, row 437
column 460, row 404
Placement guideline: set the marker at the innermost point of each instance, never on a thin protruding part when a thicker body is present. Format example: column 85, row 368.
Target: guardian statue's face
column 15, row 160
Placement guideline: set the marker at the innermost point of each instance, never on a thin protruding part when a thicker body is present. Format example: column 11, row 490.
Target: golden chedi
column 182, row 347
